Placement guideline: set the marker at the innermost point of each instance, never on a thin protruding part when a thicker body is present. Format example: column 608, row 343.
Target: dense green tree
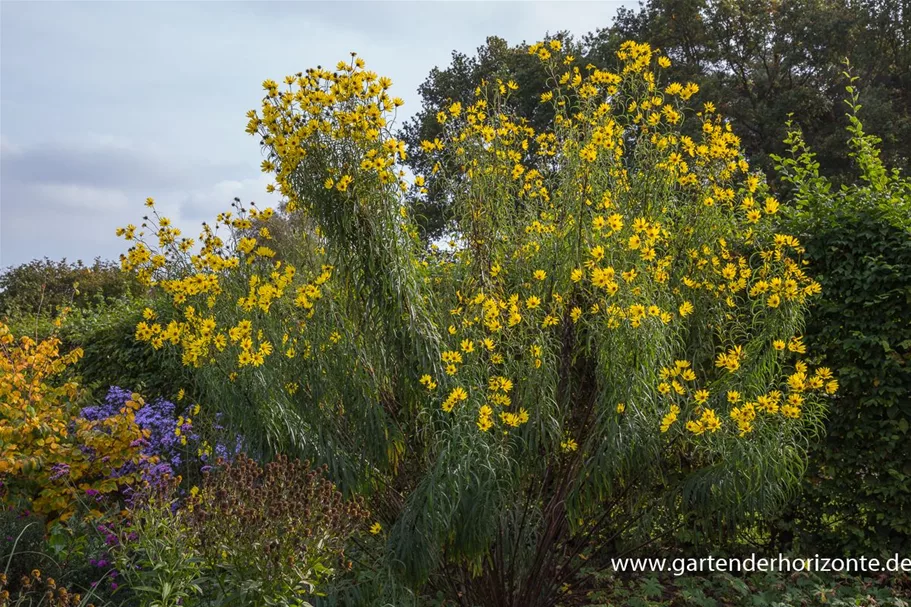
column 764, row 60
column 759, row 61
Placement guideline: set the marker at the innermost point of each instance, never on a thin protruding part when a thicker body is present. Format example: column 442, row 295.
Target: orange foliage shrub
column 49, row 455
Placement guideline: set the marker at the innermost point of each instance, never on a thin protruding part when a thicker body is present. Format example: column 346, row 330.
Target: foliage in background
column 858, row 240
column 764, row 60
column 616, row 332
column 113, row 357
column 41, row 287
column 758, row 60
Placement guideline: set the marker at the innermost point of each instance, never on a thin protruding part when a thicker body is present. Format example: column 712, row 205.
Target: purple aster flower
column 172, row 445
column 59, row 471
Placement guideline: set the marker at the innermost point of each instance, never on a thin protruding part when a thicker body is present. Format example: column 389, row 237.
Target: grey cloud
column 59, row 221
column 107, row 166
column 78, row 221
column 168, row 84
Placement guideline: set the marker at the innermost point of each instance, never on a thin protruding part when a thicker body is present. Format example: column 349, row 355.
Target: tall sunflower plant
column 614, row 330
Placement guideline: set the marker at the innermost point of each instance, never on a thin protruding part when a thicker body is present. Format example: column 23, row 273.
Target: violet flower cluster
column 221, row 450
column 172, row 439
column 165, row 442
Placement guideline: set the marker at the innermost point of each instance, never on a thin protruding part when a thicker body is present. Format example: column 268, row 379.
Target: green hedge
column 857, row 497
column 111, row 354
column 113, row 357
column 858, row 493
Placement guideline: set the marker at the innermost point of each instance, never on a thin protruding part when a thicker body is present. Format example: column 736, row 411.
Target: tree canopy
column 759, row 61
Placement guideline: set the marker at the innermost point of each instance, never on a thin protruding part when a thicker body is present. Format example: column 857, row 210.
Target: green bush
column 113, row 357
column 858, row 241
column 42, row 286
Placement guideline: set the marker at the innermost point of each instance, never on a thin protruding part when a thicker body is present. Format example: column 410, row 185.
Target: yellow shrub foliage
column 49, row 455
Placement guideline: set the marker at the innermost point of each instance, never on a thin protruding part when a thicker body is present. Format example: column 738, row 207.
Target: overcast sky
column 105, row 103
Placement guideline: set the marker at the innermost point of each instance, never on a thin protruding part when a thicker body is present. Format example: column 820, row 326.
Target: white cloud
column 84, row 199
column 205, row 203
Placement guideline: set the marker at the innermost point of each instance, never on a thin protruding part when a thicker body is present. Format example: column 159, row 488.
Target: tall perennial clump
column 617, row 301
column 277, row 530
